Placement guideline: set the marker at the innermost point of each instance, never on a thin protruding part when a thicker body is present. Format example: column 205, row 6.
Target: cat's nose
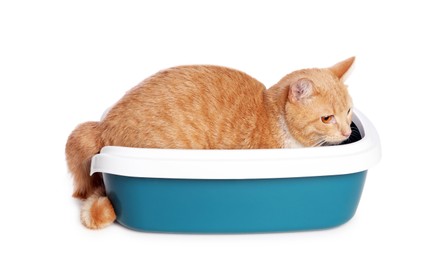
column 346, row 133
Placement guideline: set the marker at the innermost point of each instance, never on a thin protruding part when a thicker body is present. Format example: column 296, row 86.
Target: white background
column 65, row 62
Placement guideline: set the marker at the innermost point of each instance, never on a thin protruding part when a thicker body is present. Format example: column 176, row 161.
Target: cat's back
column 186, row 107
column 206, row 80
column 195, row 87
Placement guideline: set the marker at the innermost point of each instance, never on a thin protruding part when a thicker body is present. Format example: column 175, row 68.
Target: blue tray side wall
column 234, row 206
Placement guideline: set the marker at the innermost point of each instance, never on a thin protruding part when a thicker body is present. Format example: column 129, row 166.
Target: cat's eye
column 328, row 119
column 350, row 109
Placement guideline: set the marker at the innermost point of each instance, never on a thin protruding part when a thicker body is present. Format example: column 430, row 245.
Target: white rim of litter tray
column 243, row 164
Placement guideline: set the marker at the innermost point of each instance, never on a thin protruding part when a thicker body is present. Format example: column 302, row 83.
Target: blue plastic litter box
column 238, row 191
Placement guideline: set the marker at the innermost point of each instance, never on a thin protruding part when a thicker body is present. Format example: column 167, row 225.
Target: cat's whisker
column 319, row 143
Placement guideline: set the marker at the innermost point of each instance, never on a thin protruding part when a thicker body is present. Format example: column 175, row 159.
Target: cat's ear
column 342, row 69
column 300, row 90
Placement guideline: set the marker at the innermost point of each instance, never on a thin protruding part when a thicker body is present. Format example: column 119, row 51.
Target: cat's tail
column 83, row 143
column 97, row 211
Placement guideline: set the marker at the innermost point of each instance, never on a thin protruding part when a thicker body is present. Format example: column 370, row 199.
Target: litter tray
column 238, row 191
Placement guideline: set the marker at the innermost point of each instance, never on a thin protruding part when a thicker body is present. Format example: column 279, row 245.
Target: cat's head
column 318, row 110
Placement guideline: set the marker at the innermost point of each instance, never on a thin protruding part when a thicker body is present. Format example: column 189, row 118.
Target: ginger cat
column 211, row 107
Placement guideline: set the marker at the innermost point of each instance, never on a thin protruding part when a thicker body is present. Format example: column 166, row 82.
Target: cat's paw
column 97, row 212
